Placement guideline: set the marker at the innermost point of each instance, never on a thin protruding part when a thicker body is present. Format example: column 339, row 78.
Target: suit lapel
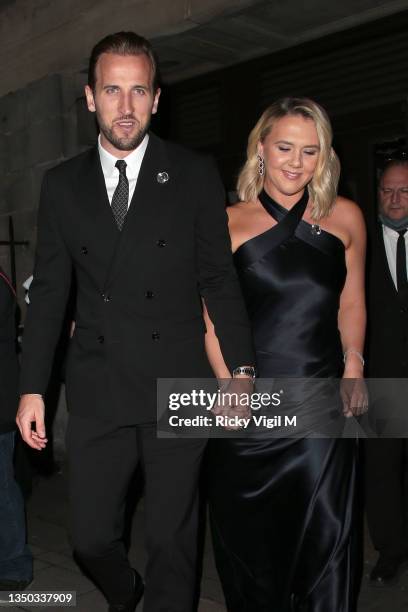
column 150, row 202
column 384, row 259
column 94, row 202
column 97, row 230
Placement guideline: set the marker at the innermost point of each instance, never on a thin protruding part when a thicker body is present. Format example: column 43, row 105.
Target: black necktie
column 120, row 198
column 401, row 262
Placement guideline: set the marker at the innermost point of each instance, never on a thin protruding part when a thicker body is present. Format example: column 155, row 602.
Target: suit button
column 101, row 339
column 155, row 336
column 149, row 295
column 404, row 310
column 84, row 250
column 106, row 297
column 161, row 243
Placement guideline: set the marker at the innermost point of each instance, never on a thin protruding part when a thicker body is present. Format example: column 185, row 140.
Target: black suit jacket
column 8, row 357
column 138, row 311
column 387, row 332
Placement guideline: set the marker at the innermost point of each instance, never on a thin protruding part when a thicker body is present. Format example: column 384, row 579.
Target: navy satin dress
column 282, row 508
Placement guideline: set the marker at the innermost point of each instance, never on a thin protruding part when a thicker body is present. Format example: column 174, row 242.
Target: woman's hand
column 235, row 401
column 354, row 394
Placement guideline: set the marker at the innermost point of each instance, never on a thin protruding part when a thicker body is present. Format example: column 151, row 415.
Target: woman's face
column 290, row 151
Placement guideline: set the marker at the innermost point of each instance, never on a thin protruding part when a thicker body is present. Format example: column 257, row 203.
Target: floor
column 56, row 570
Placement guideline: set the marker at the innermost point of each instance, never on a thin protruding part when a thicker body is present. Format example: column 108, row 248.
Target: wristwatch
column 247, row 370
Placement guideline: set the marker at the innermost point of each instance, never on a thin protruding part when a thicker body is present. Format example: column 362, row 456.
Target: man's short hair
column 394, row 163
column 123, row 43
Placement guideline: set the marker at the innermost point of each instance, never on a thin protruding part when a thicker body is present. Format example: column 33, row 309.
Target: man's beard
column 123, row 144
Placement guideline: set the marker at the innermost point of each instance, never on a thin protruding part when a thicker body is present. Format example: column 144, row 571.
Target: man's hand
column 31, row 410
column 238, row 392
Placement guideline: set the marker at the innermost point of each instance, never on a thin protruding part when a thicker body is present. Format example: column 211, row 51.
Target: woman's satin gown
column 282, row 508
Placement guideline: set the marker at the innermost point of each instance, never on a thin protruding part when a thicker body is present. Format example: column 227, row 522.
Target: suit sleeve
column 49, row 293
column 6, row 301
column 218, row 282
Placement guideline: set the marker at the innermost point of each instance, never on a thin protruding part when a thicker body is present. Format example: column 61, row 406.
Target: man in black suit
column 143, row 225
column 387, row 353
column 16, row 564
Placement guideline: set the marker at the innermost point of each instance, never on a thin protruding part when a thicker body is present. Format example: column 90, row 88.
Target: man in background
column 386, row 467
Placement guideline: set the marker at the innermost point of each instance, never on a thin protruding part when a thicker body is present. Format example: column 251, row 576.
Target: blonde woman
column 282, row 508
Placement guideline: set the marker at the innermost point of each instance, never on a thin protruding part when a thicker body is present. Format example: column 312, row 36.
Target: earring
column 261, row 165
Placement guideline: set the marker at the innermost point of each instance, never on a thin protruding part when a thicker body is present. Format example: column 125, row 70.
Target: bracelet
column 247, row 370
column 35, row 394
column 354, row 352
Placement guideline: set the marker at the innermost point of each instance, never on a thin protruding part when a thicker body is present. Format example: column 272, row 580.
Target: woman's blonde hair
column 323, row 186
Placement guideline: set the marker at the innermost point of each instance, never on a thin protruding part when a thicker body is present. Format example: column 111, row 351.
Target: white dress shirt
column 111, row 173
column 390, row 243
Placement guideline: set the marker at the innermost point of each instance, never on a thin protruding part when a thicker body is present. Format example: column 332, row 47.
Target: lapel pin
column 162, row 177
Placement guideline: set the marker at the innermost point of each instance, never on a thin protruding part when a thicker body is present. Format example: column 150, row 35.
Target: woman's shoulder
column 240, row 211
column 345, row 206
column 347, row 216
column 346, row 212
column 244, row 221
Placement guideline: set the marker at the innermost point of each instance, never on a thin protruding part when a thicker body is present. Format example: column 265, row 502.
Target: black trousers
column 386, row 494
column 102, row 459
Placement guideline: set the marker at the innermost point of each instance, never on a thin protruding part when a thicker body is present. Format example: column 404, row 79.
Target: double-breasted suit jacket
column 138, row 308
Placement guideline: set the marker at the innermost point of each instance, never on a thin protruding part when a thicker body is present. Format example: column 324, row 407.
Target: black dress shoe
column 130, row 606
column 386, row 571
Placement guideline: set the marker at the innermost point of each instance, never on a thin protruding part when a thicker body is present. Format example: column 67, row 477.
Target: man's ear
column 90, row 102
column 155, row 101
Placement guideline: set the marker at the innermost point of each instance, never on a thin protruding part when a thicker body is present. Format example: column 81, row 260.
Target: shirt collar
column 133, row 160
column 388, row 231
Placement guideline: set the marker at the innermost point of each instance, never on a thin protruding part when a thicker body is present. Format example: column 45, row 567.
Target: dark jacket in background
column 8, row 357
column 387, row 334
column 387, row 357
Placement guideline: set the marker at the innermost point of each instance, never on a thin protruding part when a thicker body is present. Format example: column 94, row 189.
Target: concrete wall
column 40, row 125
column 40, row 37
